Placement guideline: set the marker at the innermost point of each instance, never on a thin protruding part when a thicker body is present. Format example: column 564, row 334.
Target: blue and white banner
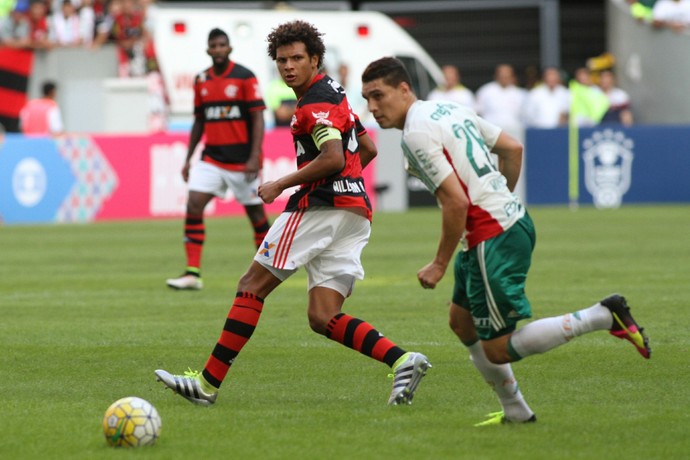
column 616, row 165
column 35, row 179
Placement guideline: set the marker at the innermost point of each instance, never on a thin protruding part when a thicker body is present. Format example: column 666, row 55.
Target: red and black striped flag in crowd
column 15, row 68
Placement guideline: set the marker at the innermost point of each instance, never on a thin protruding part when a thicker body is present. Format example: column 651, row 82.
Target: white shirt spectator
column 65, row 26
column 671, row 13
column 619, row 101
column 500, row 102
column 87, row 21
column 57, row 4
column 545, row 107
column 460, row 95
column 547, row 104
column 618, row 98
column 500, row 105
column 452, row 90
column 14, row 30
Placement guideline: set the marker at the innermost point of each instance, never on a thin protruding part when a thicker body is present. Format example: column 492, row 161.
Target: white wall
column 90, row 96
column 651, row 65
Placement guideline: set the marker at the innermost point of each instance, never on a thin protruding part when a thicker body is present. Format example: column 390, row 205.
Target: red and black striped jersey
column 325, row 103
column 224, row 103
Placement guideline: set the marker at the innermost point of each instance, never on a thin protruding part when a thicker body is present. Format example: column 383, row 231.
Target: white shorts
column 327, row 242
column 207, row 178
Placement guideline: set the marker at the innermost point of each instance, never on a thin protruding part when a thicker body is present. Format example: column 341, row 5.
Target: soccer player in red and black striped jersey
column 324, row 228
column 228, row 110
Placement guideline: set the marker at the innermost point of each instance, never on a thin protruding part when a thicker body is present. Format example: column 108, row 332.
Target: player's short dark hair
column 48, row 88
column 391, row 70
column 297, row 31
column 215, row 33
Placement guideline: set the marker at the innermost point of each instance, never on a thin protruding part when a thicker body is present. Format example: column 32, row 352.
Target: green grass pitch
column 85, row 318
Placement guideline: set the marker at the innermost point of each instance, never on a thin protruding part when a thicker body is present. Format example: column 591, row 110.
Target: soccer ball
column 131, row 422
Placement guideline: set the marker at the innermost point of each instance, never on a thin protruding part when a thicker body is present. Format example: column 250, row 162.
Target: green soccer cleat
column 187, row 386
column 407, row 376
column 624, row 325
column 499, row 418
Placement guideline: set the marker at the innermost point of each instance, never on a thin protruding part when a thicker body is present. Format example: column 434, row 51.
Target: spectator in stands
column 106, row 11
column 6, row 7
column 619, row 101
column 39, row 30
column 65, row 26
column 547, row 104
column 149, row 9
column 128, row 31
column 87, row 22
column 100, row 12
column 642, row 9
column 54, row 6
column 672, row 14
column 452, row 89
column 531, row 77
column 500, row 101
column 42, row 116
column 14, row 30
column 583, row 76
column 588, row 103
column 124, row 26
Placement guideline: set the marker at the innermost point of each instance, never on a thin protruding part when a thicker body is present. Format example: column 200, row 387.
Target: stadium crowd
column 662, row 14
column 543, row 101
column 590, row 98
column 48, row 24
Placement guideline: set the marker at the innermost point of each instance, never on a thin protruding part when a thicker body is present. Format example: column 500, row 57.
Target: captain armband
column 323, row 133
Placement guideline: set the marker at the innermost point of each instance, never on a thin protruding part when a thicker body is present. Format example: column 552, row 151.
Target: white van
column 352, row 37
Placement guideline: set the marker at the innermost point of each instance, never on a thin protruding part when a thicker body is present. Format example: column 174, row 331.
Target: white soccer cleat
column 189, row 282
column 407, row 376
column 187, row 386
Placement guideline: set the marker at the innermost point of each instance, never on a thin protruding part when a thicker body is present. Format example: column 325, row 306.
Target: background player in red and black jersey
column 324, row 228
column 228, row 110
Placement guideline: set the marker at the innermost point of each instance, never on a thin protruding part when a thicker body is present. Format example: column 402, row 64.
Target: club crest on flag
column 608, row 157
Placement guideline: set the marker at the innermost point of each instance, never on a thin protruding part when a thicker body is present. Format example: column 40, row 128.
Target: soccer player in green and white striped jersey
column 448, row 147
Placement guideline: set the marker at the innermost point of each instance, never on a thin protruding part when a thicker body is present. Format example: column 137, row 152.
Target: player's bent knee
column 460, row 322
column 455, row 327
column 258, row 280
column 496, row 350
column 492, row 355
column 197, row 201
